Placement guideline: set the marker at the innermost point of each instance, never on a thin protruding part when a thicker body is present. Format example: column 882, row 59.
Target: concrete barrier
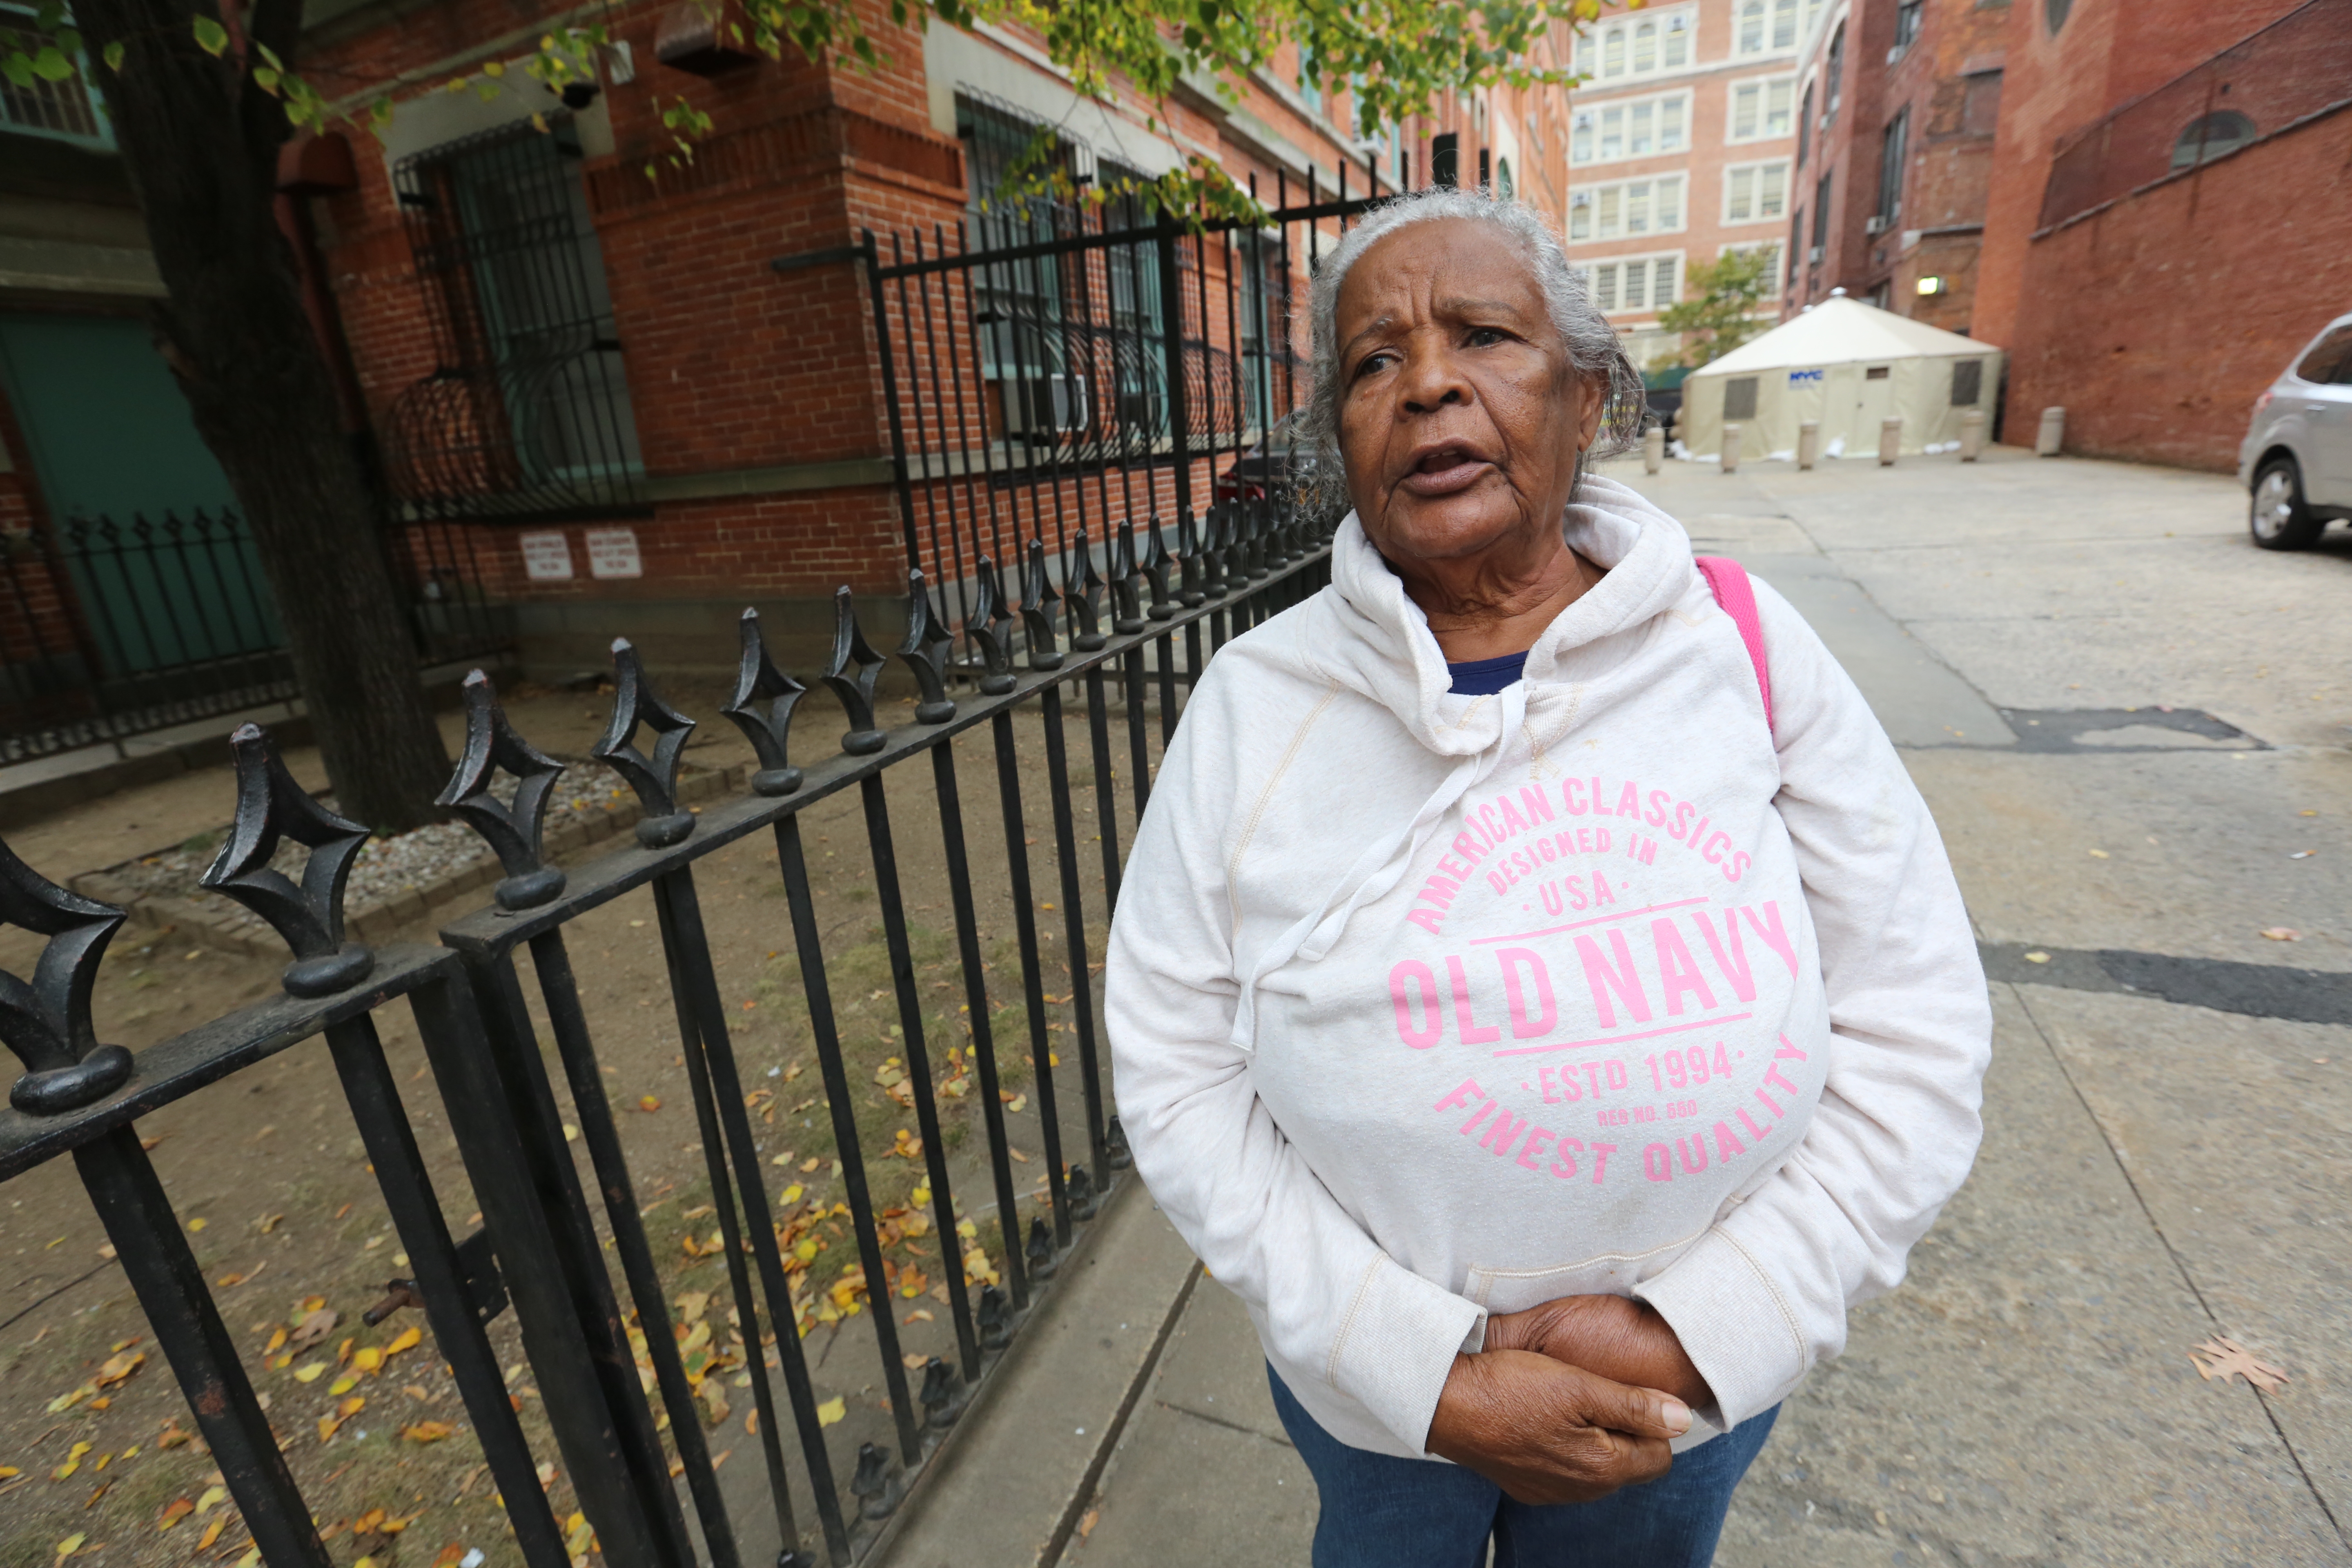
column 2051, row 438
column 1731, row 438
column 1972, row 435
column 1890, row 440
column 1809, row 443
column 1653, row 448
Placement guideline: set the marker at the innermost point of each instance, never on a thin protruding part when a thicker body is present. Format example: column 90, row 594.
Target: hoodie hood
column 1377, row 643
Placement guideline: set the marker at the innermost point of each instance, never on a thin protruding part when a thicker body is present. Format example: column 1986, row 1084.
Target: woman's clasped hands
column 1569, row 1400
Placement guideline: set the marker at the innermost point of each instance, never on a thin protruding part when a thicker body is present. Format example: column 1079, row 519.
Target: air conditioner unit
column 1814, row 255
column 1044, row 405
column 1583, row 121
column 1581, row 199
column 1875, row 226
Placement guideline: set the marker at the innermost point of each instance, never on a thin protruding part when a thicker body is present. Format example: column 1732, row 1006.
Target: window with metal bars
column 528, row 410
column 62, row 109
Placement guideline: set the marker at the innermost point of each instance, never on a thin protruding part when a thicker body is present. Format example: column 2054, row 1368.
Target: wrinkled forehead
column 1441, row 265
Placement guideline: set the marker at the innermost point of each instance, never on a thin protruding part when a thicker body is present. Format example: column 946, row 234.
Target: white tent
column 1849, row 365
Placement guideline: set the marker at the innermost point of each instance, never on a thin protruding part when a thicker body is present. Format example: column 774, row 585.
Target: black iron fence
column 2286, row 74
column 112, row 628
column 513, row 1047
column 1049, row 365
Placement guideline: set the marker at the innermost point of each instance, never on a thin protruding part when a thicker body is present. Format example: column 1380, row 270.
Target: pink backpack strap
column 1729, row 581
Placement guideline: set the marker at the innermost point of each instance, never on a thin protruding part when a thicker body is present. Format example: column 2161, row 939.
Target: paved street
column 2135, row 731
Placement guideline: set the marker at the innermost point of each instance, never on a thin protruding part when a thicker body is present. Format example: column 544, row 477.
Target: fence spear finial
column 762, row 709
column 271, row 806
column 653, row 778
column 47, row 1022
column 925, row 652
column 510, row 828
column 850, row 675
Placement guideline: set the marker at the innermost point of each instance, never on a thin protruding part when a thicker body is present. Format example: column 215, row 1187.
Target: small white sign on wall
column 546, row 558
column 613, row 553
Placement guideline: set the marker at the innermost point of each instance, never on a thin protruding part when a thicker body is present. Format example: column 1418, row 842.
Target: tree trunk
column 200, row 144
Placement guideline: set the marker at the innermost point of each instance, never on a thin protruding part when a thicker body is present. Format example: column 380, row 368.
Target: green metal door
column 144, row 518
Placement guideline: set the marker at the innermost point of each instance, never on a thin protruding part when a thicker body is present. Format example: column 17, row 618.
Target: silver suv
column 2296, row 460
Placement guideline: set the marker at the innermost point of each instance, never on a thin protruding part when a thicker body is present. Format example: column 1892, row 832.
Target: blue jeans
column 1384, row 1512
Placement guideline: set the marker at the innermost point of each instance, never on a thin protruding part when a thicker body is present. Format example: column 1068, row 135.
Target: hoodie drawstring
column 1377, row 870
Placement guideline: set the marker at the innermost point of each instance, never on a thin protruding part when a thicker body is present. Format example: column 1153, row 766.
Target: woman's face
column 1460, row 414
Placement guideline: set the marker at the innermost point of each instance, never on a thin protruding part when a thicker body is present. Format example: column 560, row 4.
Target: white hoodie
column 1424, row 1007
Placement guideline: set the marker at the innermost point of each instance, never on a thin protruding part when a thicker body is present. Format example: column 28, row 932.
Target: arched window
column 1751, row 27
column 1645, row 47
column 2054, row 13
column 1613, row 53
column 2208, row 136
column 1504, row 186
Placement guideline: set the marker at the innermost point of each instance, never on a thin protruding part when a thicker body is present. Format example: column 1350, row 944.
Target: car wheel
column 2278, row 517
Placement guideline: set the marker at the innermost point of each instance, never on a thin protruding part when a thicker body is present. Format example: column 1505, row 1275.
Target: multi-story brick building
column 1681, row 143
column 1898, row 100
column 2167, row 224
column 615, row 387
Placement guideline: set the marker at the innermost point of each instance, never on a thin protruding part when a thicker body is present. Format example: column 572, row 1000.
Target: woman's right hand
column 1548, row 1432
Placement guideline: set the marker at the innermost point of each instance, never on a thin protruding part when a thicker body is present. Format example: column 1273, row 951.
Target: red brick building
column 1898, row 105
column 2167, row 222
column 616, row 386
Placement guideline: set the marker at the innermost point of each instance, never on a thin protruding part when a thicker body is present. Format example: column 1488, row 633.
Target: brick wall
column 2156, row 322
column 2107, row 52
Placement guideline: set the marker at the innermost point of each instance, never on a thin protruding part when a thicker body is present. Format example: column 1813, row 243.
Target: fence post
column 1171, row 313
column 873, row 258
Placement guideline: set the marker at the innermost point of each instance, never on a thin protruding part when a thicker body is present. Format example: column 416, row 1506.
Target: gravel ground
column 385, row 867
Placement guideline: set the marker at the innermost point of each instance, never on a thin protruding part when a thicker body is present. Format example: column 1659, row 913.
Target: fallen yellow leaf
column 409, row 1339
column 368, row 1358
column 648, row 1102
column 309, row 1373
column 833, row 1410
column 212, row 1533
column 344, row 1383
column 174, row 1511
column 209, row 1500
column 427, row 1431
column 71, row 1544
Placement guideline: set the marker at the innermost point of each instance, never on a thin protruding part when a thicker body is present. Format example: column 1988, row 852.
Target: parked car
column 2297, row 461
column 1280, row 466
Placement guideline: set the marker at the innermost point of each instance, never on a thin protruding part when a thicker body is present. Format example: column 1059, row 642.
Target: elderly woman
column 1543, row 1000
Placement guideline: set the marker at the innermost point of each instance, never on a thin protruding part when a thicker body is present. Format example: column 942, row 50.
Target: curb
column 217, row 923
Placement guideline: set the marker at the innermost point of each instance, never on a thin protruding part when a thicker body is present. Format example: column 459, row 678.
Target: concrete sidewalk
column 2152, row 1174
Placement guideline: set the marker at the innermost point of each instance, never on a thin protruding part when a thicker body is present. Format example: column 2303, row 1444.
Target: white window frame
column 1757, row 167
column 1592, row 45
column 1595, row 199
column 1589, row 271
column 1579, row 109
column 1763, row 86
column 1778, row 245
column 1794, row 12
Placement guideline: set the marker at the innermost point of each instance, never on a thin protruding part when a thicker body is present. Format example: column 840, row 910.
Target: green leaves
column 51, row 64
column 113, row 55
column 211, row 37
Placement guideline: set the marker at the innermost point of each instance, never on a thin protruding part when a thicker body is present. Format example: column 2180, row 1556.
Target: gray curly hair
column 1592, row 345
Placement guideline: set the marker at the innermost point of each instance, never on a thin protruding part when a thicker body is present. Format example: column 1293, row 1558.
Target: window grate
column 527, row 411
